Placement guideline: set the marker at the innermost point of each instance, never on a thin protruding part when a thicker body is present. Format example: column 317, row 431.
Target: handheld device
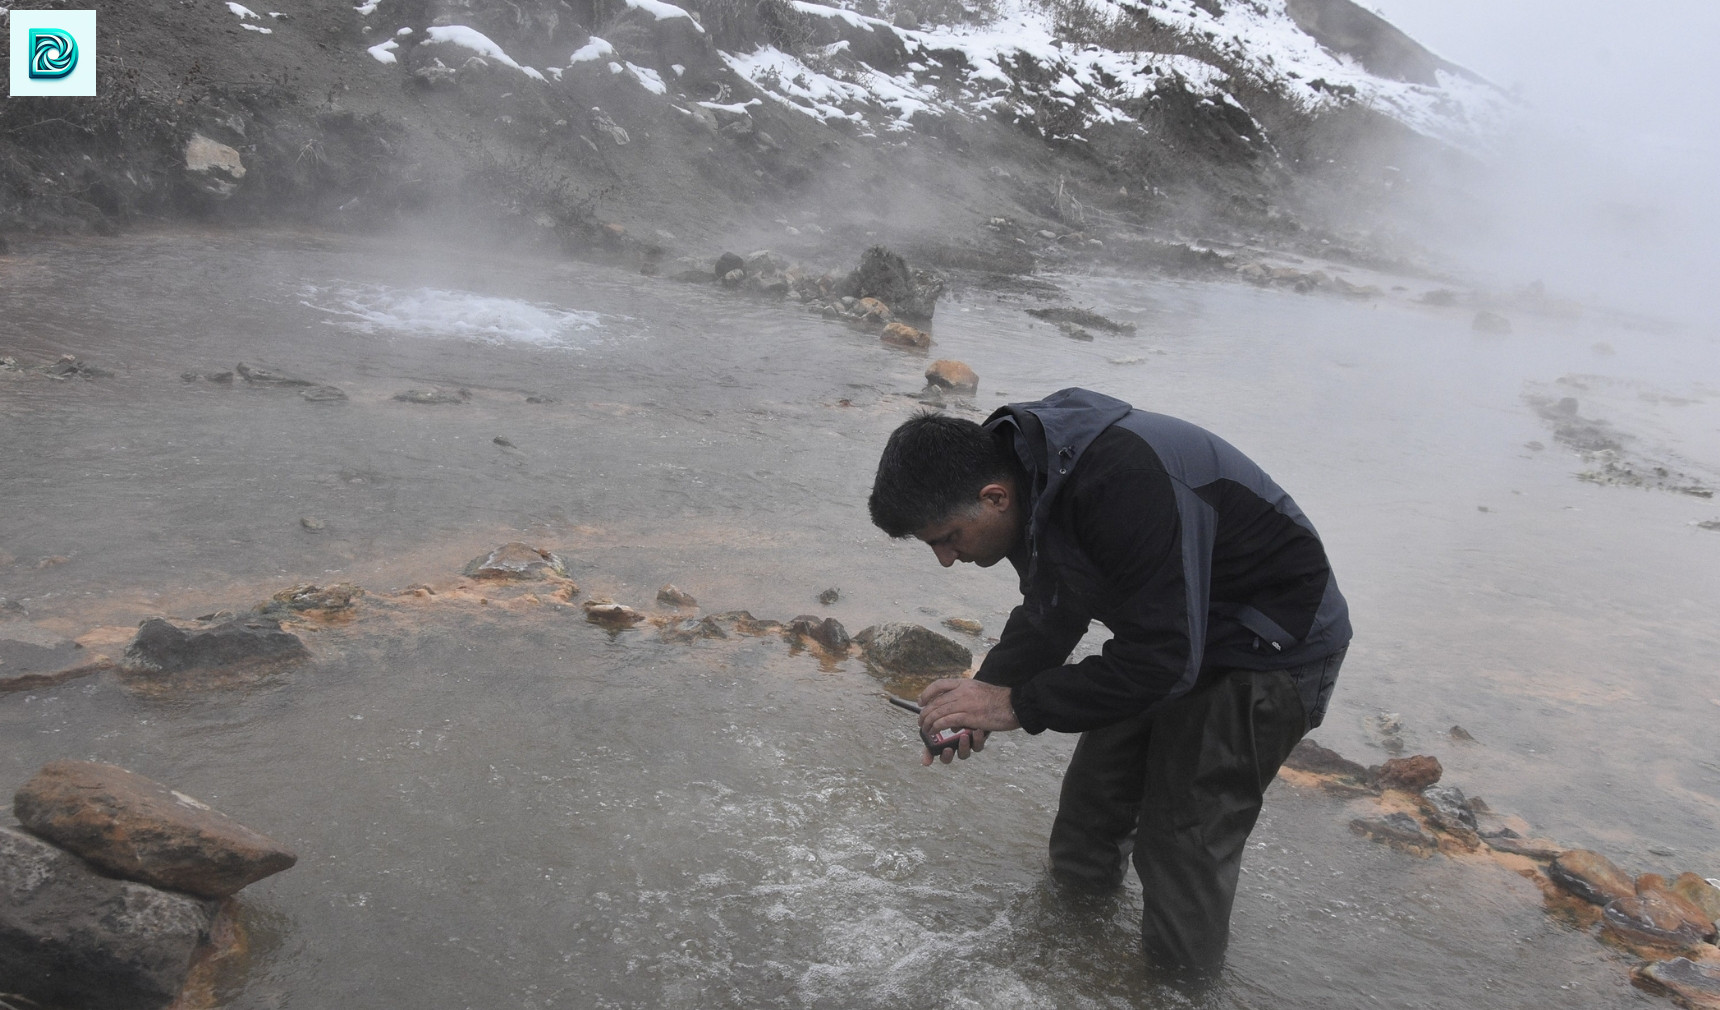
column 943, row 739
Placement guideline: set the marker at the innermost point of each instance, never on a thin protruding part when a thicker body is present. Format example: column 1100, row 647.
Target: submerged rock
column 434, row 396
column 1397, row 829
column 516, row 560
column 163, row 648
column 1491, row 322
column 323, row 394
column 264, row 377
column 611, row 615
column 1308, row 756
column 825, row 631
column 963, row 625
column 1082, row 318
column 829, row 596
column 1695, row 985
column 307, row 597
column 903, row 335
column 136, row 828
column 32, row 657
column 903, row 648
column 1591, row 877
column 71, row 937
column 744, row 623
column 674, row 597
column 692, row 629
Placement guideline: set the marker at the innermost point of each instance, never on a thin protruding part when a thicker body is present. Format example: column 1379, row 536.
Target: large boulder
column 70, row 937
column 165, row 648
column 1694, row 984
column 138, row 829
column 910, row 649
column 884, row 275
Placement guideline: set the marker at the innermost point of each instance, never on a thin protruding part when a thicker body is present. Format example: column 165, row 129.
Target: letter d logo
column 53, row 54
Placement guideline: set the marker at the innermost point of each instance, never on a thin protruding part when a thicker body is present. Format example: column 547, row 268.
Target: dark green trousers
column 1180, row 788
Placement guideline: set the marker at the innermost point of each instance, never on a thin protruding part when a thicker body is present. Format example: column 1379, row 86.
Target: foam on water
column 453, row 315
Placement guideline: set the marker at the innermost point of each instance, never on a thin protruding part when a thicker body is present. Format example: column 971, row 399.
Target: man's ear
column 997, row 496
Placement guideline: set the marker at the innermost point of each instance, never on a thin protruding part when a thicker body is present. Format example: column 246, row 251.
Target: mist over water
column 1603, row 188
column 501, row 804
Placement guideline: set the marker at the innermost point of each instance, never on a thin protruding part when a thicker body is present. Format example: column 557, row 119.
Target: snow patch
column 477, row 42
column 664, row 11
column 595, row 49
column 384, row 51
column 242, row 12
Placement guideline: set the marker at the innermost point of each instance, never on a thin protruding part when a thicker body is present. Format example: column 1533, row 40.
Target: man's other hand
column 961, row 703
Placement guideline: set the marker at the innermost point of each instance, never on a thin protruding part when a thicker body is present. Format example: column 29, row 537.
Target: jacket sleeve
column 1127, row 523
column 1031, row 642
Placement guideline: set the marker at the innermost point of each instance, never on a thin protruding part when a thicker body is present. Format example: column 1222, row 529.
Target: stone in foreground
column 164, row 648
column 946, row 373
column 1693, row 984
column 1591, row 877
column 516, row 561
column 1411, row 774
column 71, row 937
column 139, row 829
column 904, row 648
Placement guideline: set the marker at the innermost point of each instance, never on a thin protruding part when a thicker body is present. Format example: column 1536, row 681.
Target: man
column 1227, row 631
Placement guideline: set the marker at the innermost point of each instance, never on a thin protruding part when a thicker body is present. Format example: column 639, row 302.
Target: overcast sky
column 1629, row 90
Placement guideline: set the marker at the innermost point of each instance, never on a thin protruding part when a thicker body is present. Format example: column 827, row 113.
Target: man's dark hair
column 933, row 466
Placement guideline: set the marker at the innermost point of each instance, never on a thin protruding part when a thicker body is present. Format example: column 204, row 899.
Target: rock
column 307, row 597
column 1491, row 322
column 435, row 74
column 874, row 311
column 1308, row 756
column 675, row 597
column 219, row 167
column 1074, row 332
column 1082, row 318
column 138, row 829
column 603, row 126
column 323, row 394
column 963, row 625
column 313, row 524
column 691, row 629
column 1461, row 735
column 743, row 622
column 434, row 396
column 1657, row 918
column 903, row 648
column 952, row 375
column 1591, row 877
column 1694, row 985
column 264, row 377
column 67, row 366
column 1534, row 848
column 70, row 937
column 32, row 657
column 885, row 276
column 829, row 596
column 1699, row 892
column 1411, row 774
column 1398, row 829
column 161, row 648
column 1446, row 807
column 516, row 561
column 729, row 262
column 613, row 615
column 825, row 631
column 903, row 335
column 224, row 378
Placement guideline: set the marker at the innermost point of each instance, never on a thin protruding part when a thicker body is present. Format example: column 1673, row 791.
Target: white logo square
column 53, row 53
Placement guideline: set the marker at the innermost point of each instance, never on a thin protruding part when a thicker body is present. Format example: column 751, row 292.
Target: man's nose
column 946, row 555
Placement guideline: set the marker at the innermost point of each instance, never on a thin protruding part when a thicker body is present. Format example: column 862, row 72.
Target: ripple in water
column 453, row 315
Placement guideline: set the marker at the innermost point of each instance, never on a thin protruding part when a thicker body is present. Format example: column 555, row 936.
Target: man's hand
column 965, row 704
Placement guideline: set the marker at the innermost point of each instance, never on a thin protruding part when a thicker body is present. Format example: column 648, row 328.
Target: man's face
column 982, row 534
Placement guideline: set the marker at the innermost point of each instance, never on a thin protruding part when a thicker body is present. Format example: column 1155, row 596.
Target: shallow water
column 506, row 806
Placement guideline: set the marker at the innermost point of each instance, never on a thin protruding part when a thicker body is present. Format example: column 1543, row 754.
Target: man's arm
column 1030, row 643
column 1127, row 523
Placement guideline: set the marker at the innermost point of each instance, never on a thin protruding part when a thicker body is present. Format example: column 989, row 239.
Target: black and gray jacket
column 1174, row 540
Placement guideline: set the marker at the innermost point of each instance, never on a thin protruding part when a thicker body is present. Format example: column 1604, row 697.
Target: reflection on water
column 502, row 805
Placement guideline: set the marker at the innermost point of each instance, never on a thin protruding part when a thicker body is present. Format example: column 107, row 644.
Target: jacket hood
column 1051, row 435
